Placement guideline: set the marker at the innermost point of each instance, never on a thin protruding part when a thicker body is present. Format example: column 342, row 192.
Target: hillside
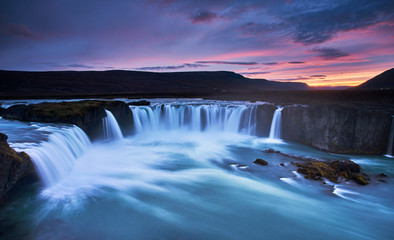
column 382, row 81
column 68, row 83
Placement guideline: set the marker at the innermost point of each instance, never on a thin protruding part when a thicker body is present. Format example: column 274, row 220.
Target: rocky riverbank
column 87, row 114
column 13, row 166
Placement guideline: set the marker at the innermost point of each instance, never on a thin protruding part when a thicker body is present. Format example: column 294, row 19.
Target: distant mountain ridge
column 382, row 81
column 64, row 83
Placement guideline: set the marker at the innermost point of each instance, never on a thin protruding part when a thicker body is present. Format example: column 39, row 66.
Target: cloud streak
column 227, row 63
column 329, row 53
column 173, row 67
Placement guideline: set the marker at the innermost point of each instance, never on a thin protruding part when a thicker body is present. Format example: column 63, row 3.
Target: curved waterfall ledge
column 231, row 118
column 55, row 158
column 331, row 128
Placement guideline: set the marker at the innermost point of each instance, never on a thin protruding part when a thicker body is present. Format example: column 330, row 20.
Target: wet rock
column 260, row 162
column 358, row 178
column 2, row 110
column 13, row 166
column 139, row 103
column 332, row 170
column 282, row 164
column 382, row 175
column 270, row 150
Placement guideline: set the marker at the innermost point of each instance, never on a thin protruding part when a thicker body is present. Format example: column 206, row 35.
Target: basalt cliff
column 13, row 166
column 339, row 129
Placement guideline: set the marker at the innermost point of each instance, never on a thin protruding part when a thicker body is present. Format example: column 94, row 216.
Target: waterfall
column 275, row 124
column 391, row 140
column 56, row 157
column 111, row 127
column 209, row 117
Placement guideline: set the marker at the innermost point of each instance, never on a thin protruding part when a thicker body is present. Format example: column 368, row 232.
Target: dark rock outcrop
column 87, row 114
column 139, row 103
column 2, row 110
column 332, row 170
column 264, row 116
column 338, row 129
column 260, row 162
column 13, row 166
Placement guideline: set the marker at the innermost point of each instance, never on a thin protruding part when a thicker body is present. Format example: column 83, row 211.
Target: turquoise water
column 183, row 184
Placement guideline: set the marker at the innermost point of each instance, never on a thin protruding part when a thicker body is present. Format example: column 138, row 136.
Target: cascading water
column 391, row 140
column 181, row 180
column 236, row 119
column 275, row 125
column 56, row 157
column 111, row 127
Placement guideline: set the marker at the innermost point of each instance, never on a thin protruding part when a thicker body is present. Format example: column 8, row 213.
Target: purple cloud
column 174, row 67
column 21, row 30
column 203, row 16
column 229, row 63
column 329, row 53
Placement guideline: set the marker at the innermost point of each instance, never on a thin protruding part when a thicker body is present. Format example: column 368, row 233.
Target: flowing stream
column 186, row 173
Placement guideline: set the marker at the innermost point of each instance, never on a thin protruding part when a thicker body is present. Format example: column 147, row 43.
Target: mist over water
column 188, row 173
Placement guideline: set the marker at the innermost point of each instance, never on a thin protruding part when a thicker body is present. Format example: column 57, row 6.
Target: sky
column 321, row 43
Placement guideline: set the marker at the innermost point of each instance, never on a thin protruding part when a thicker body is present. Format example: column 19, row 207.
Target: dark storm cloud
column 296, row 62
column 317, row 22
column 175, row 67
column 329, row 53
column 319, row 25
column 270, row 63
column 203, row 16
column 229, row 63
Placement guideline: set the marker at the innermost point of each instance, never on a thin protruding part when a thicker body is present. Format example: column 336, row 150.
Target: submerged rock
column 260, row 162
column 139, row 103
column 332, row 170
column 13, row 166
column 270, row 150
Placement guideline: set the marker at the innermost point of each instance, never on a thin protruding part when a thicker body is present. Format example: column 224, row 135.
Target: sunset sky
column 328, row 42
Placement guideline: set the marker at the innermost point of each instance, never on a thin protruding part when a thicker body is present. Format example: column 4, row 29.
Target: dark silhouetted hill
column 382, row 81
column 116, row 82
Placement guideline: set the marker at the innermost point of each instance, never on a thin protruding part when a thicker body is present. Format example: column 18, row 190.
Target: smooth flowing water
column 276, row 124
column 188, row 173
column 111, row 127
column 391, row 141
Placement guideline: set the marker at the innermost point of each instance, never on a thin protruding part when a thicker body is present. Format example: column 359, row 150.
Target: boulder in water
column 332, row 170
column 260, row 162
column 270, row 150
